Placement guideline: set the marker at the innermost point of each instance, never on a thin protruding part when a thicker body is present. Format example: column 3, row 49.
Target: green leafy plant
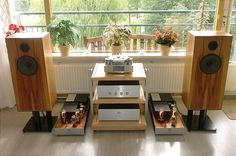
column 64, row 33
column 116, row 35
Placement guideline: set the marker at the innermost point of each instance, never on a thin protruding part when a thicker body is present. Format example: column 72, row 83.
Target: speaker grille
column 27, row 65
column 210, row 64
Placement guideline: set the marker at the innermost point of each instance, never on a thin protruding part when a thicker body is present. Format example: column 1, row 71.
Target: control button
column 115, row 93
column 126, row 93
column 109, row 93
column 121, row 93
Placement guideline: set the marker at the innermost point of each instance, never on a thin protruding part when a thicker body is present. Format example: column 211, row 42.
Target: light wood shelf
column 119, row 125
column 138, row 74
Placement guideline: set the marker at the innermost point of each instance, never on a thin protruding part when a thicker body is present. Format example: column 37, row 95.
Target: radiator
column 165, row 77
column 161, row 77
column 73, row 78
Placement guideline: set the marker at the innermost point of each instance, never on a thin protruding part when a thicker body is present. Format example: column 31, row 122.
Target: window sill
column 148, row 57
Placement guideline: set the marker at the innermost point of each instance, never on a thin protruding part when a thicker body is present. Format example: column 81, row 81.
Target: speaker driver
column 210, row 64
column 24, row 47
column 212, row 45
column 27, row 65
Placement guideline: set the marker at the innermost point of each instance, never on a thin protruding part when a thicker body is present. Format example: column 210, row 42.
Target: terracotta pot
column 64, row 50
column 165, row 50
column 116, row 50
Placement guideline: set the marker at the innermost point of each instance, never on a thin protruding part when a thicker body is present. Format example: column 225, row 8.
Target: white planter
column 165, row 50
column 116, row 50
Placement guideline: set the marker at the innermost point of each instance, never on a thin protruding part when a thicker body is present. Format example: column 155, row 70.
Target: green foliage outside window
column 94, row 24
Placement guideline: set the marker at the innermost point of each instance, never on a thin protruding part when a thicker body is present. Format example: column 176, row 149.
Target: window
column 233, row 32
column 142, row 16
column 30, row 13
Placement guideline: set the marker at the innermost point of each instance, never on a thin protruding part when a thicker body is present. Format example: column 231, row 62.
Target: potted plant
column 64, row 34
column 116, row 36
column 13, row 28
column 166, row 39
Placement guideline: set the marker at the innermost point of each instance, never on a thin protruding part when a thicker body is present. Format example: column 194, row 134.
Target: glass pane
column 28, row 5
column 34, row 19
column 233, row 32
column 142, row 16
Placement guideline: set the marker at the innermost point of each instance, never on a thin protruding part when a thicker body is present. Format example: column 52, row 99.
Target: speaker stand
column 39, row 123
column 200, row 122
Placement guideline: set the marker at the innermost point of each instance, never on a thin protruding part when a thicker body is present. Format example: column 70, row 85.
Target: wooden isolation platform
column 118, row 125
column 68, row 129
column 167, row 128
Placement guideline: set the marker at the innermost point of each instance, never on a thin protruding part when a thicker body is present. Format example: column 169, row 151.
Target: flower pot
column 165, row 50
column 116, row 50
column 64, row 50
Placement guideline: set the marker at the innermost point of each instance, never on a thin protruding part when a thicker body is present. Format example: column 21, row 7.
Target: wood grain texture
column 200, row 90
column 145, row 41
column 94, row 42
column 136, row 42
column 36, row 92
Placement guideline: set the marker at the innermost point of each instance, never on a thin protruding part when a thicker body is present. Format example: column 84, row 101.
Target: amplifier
column 68, row 110
column 118, row 89
column 164, row 114
column 73, row 115
column 118, row 112
column 162, row 104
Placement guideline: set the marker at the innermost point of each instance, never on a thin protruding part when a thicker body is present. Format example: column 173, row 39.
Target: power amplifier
column 118, row 89
column 118, row 112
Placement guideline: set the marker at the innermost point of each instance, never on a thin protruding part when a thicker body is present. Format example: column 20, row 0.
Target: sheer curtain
column 7, row 98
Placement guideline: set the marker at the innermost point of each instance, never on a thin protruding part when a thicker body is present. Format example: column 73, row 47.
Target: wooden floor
column 13, row 142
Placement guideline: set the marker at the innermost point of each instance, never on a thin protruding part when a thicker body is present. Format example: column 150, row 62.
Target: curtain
column 7, row 97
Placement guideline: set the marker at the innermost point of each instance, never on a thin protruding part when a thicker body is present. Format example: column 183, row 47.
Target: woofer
column 27, row 65
column 210, row 64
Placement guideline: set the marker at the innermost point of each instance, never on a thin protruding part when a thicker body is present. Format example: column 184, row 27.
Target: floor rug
column 229, row 108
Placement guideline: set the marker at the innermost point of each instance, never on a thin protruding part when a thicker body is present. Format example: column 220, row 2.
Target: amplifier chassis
column 166, row 127
column 73, row 116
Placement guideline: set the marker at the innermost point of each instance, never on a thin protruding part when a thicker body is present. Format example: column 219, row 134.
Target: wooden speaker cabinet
column 206, row 65
column 30, row 57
